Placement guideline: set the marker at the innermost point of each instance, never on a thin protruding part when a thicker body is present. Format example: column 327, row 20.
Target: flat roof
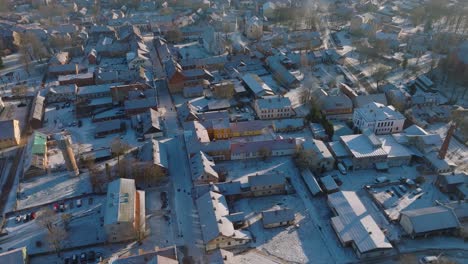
column 120, row 203
column 361, row 147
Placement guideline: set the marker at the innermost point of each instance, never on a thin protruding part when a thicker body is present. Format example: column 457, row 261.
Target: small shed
column 329, row 184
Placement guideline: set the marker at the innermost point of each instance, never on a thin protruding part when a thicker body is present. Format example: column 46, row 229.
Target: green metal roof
column 39, row 143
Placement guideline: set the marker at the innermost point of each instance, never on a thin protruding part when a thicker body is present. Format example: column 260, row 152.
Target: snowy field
column 53, row 187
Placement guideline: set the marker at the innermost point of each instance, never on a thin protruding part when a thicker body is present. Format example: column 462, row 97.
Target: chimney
column 445, row 145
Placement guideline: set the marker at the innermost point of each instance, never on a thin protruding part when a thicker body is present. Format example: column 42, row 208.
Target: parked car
column 342, row 168
column 62, row 207
column 18, row 219
column 74, row 259
column 78, row 203
column 83, row 257
column 417, row 191
column 382, row 179
column 429, row 259
column 56, row 207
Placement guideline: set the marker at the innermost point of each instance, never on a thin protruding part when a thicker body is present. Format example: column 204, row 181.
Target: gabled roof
column 274, row 216
column 213, row 209
column 202, row 165
column 431, row 219
column 355, row 224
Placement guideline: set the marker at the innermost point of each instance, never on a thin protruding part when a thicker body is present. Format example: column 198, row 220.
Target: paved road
column 187, row 226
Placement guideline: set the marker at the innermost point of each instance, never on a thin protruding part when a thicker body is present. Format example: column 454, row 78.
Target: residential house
column 256, row 85
column 455, row 184
column 356, row 227
column 319, row 157
column 177, row 78
column 217, row 230
column 148, row 124
column 281, row 74
column 11, row 134
column 277, row 217
column 80, row 79
column 336, row 107
column 107, row 128
column 267, row 184
column 428, row 221
column 62, row 93
column 288, row 125
column 379, row 118
column 124, row 212
column 85, row 93
column 141, row 105
column 193, row 91
column 121, row 92
column 155, row 153
column 202, row 168
column 249, row 128
column 223, row 89
column 273, row 107
column 263, row 149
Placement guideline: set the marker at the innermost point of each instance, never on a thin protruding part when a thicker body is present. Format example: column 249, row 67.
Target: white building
column 378, row 118
column 254, row 28
column 273, row 107
column 124, row 217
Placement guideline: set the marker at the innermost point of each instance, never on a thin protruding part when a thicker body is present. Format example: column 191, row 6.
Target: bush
column 420, row 179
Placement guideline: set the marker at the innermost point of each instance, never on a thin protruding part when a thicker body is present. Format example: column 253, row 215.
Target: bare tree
column 47, row 219
column 119, row 148
column 56, row 238
column 380, row 75
column 66, row 219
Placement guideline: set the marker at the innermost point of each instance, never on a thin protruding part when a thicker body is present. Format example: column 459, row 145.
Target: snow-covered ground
column 313, row 241
column 53, row 187
column 85, row 229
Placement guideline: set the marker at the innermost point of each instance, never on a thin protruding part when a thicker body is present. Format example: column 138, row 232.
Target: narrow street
column 185, row 215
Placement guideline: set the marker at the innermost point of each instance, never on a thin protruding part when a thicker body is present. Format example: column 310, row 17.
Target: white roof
column 213, row 212
column 120, row 203
column 378, row 112
column 353, row 223
column 360, row 146
column 393, row 148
